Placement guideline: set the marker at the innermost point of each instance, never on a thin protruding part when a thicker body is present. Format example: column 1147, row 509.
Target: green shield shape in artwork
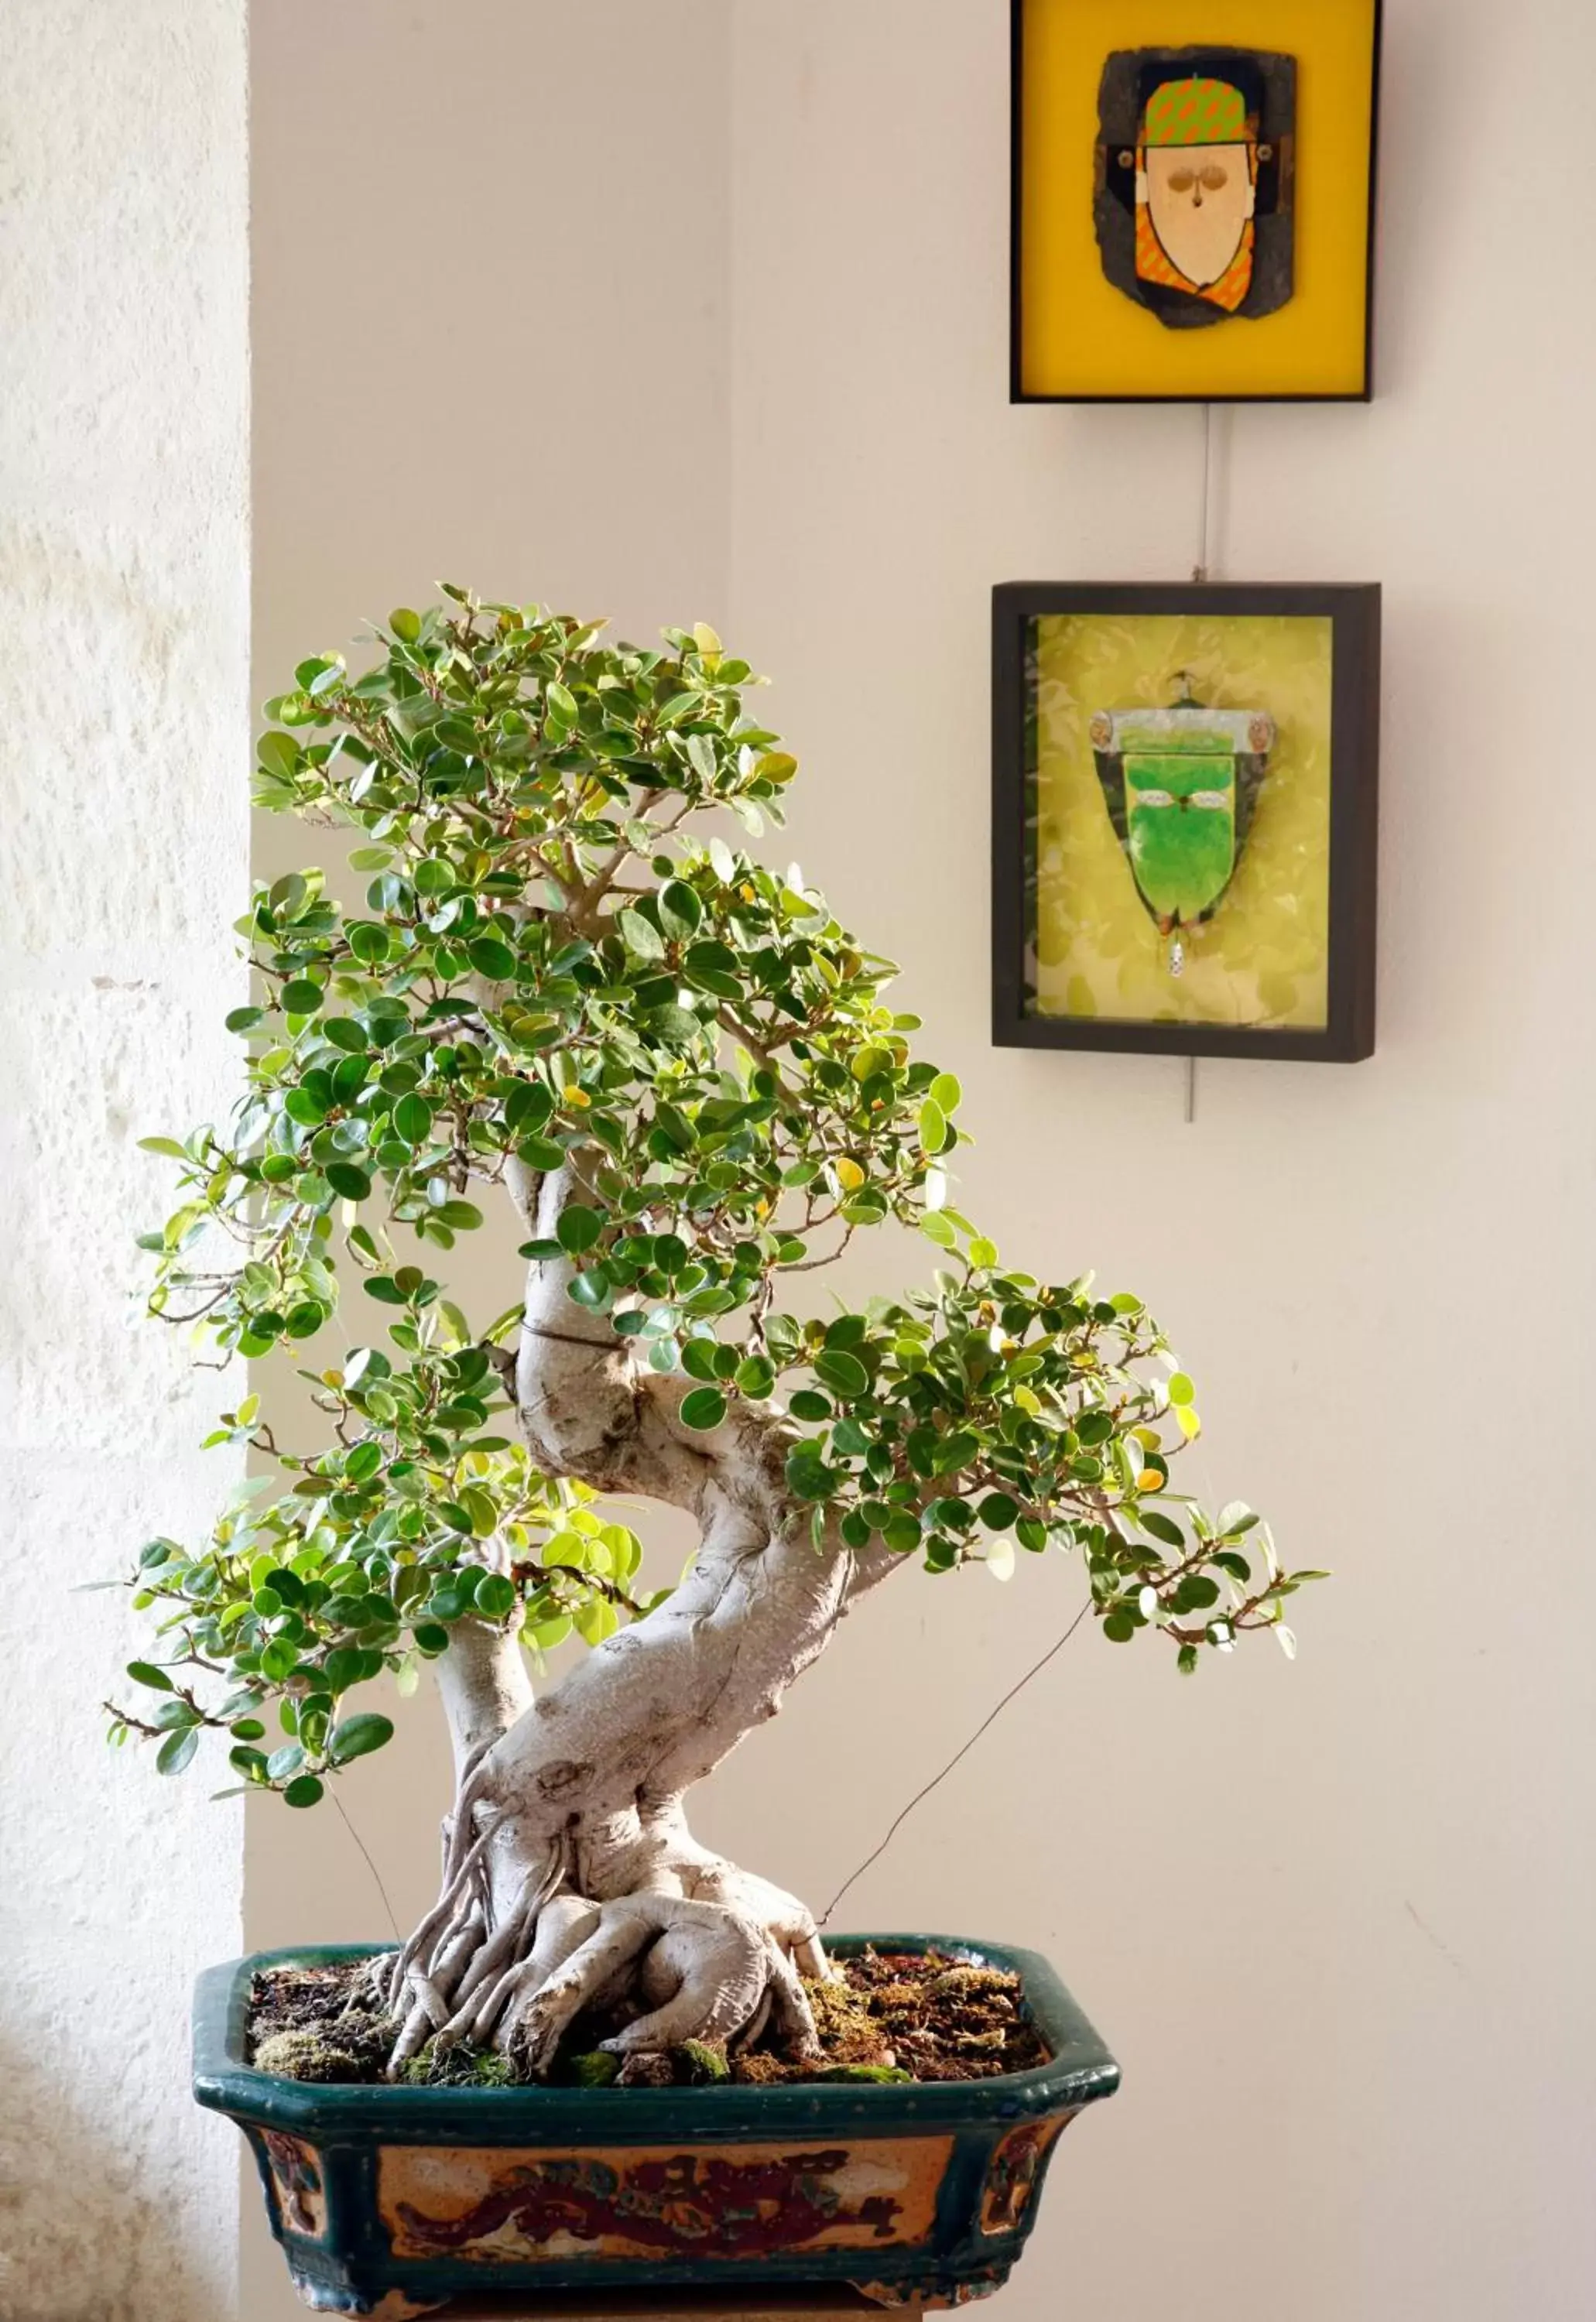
column 1179, row 785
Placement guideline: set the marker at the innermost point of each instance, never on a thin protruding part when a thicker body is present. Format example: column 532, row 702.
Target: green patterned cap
column 1195, row 112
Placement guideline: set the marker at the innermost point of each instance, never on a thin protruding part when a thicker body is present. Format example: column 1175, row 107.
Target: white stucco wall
column 123, row 577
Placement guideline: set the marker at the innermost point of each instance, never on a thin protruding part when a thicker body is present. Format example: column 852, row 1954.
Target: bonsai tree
column 569, row 992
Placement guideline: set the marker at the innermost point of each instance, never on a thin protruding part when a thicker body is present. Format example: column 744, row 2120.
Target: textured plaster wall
column 123, row 581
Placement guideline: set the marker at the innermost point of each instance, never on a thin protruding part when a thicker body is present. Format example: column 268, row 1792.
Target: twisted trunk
column 571, row 1878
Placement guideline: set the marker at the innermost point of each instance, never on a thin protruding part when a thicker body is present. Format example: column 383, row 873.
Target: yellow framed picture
column 1184, row 782
column 1193, row 200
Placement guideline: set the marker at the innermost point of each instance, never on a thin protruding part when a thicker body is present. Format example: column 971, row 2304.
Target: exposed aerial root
column 720, row 1964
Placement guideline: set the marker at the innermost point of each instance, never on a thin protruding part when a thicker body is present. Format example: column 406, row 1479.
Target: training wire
column 920, row 1795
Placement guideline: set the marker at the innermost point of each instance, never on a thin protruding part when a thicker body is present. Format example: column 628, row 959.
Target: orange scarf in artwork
column 1154, row 266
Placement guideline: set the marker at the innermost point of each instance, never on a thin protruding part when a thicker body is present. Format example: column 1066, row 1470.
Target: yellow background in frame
column 1078, row 335
column 1262, row 958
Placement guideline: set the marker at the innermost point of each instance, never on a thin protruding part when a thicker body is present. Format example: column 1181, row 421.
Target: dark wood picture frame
column 1354, row 611
column 1019, row 393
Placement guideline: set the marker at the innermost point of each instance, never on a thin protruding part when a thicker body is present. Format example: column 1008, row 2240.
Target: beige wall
column 490, row 345
column 1332, row 1916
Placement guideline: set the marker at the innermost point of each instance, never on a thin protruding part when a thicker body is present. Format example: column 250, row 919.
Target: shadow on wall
column 84, row 2233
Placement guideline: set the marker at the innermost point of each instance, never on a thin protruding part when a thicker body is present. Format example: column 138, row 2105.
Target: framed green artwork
column 1184, row 817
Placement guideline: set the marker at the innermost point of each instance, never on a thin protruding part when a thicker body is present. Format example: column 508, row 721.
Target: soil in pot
column 891, row 2016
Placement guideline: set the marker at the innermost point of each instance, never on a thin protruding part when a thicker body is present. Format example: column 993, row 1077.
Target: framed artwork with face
column 1184, row 817
column 1192, row 215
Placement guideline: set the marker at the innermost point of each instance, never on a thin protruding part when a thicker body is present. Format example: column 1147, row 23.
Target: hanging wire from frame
column 1200, row 573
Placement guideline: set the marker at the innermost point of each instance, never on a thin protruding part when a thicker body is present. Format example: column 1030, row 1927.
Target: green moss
column 699, row 2064
column 460, row 2068
column 305, row 2056
column 847, row 2029
column 494, row 2071
column 597, row 2070
column 972, row 1982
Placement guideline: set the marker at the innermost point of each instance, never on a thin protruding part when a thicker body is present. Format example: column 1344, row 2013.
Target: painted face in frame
column 1198, row 176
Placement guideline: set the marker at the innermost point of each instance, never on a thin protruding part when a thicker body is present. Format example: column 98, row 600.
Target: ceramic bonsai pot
column 392, row 2201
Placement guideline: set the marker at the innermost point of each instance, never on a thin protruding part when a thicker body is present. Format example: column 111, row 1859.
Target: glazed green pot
column 392, row 2201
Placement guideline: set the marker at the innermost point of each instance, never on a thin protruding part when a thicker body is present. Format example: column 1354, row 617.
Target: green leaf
column 641, row 938
column 808, row 1476
column 946, row 1093
column 278, row 753
column 998, row 1511
column 404, row 623
column 1180, row 1388
column 705, row 1408
column 168, row 1146
column 304, row 1790
column 237, row 1019
column 413, row 1119
column 845, row 1374
column 597, row 1620
column 491, row 956
column 1162, row 1527
column 358, row 1735
column 301, row 997
column 146, row 1673
column 176, row 1750
column 934, row 1128
column 348, row 1180
column 680, row 909
column 495, row 1595
column 578, row 1229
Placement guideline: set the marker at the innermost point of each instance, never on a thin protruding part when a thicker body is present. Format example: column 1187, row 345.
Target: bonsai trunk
column 571, row 1877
